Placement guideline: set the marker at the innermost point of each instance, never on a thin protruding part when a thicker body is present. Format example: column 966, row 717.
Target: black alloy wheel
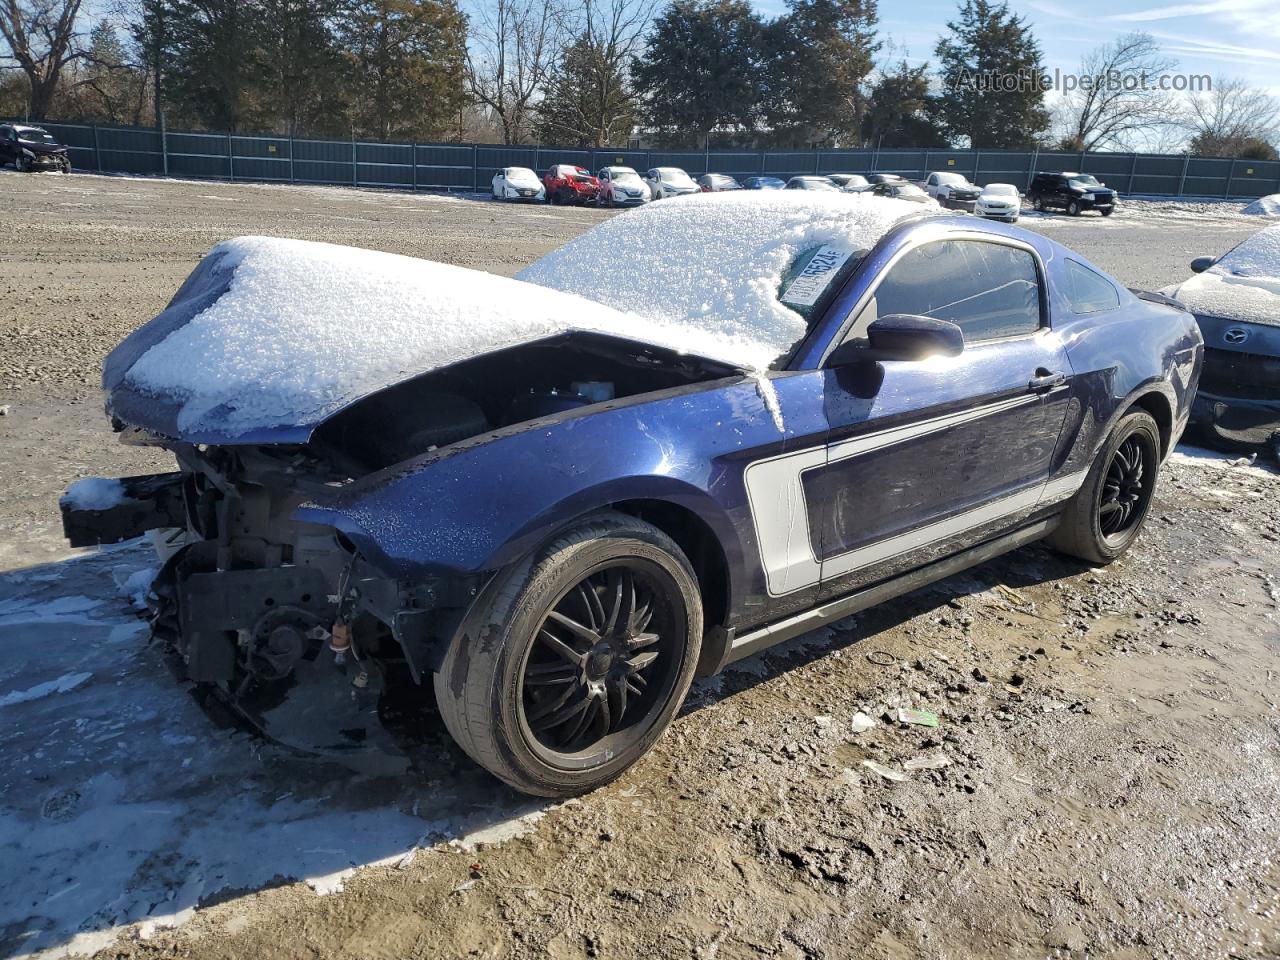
column 1126, row 492
column 601, row 660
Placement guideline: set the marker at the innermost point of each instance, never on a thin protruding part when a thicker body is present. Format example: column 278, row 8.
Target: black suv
column 32, row 148
column 1072, row 192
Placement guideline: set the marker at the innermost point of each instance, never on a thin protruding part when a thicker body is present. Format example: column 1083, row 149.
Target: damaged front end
column 281, row 622
column 300, row 632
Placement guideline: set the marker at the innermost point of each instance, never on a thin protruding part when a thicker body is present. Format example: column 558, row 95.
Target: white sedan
column 622, row 187
column 518, row 183
column 999, row 201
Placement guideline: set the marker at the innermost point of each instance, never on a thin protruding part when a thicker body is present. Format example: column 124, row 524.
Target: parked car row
column 617, row 186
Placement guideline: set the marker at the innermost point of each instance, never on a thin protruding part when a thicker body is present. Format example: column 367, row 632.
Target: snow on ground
column 1200, row 457
column 124, row 808
column 1150, row 211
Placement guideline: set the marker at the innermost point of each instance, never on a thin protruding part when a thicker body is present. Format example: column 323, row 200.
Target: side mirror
column 902, row 336
column 1201, row 264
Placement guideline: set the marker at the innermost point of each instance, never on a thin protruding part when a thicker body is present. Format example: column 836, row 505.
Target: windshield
column 908, row 190
column 856, row 180
column 1000, row 190
column 674, row 175
column 1259, row 256
column 35, row 136
column 951, row 178
column 520, row 173
column 619, row 172
column 1085, row 179
column 815, row 275
column 813, row 183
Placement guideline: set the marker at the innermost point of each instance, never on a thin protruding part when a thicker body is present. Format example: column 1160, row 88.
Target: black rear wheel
column 1104, row 518
column 574, row 660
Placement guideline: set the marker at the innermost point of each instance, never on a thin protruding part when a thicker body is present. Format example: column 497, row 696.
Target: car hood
column 42, row 147
column 269, row 338
column 1219, row 293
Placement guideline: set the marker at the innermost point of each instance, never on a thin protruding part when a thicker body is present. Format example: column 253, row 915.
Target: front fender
column 483, row 503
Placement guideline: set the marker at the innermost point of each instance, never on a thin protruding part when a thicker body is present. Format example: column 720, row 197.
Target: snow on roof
column 1268, row 206
column 1243, row 285
column 716, row 260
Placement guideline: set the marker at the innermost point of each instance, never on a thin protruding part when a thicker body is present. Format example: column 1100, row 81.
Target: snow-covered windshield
column 622, row 173
column 674, row 176
column 520, row 173
column 952, row 179
column 1000, row 190
column 1259, row 256
column 1084, row 179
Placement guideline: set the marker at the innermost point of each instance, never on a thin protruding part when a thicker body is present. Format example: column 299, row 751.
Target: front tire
column 21, row 164
column 1073, row 208
column 575, row 658
column 1106, row 515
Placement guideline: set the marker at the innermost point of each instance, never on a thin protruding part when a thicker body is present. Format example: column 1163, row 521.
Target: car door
column 925, row 458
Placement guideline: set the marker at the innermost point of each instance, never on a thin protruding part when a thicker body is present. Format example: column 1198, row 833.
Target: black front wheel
column 574, row 660
column 1104, row 518
column 1073, row 208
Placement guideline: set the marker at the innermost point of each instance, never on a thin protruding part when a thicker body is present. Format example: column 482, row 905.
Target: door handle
column 1044, row 380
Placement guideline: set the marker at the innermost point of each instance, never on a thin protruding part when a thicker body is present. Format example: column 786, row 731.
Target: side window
column 1089, row 292
column 933, row 179
column 989, row 290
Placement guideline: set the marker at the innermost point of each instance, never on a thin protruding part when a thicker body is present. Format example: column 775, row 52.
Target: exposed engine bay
column 253, row 605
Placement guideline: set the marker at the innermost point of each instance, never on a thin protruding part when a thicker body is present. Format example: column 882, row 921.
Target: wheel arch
column 1154, row 402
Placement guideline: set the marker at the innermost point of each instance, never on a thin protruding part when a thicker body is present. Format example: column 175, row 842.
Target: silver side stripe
column 775, row 493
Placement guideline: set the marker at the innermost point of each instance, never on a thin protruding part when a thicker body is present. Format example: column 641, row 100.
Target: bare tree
column 41, row 35
column 1118, row 96
column 1232, row 116
column 587, row 101
column 514, row 44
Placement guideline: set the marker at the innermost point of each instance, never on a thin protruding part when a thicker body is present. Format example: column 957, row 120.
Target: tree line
column 592, row 73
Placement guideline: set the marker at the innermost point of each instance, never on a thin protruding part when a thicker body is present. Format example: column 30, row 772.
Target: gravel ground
column 1111, row 737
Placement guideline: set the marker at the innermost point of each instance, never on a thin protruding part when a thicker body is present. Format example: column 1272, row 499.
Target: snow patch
column 95, row 493
column 1243, row 285
column 68, row 681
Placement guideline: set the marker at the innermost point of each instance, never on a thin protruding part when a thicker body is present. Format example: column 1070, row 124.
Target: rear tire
column 575, row 658
column 1040, row 207
column 1106, row 515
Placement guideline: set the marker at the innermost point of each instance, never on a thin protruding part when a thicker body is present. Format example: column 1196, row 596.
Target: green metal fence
column 469, row 167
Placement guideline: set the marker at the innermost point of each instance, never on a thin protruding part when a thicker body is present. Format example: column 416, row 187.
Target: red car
column 566, row 183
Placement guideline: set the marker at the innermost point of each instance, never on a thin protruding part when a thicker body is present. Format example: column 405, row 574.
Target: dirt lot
column 1112, row 737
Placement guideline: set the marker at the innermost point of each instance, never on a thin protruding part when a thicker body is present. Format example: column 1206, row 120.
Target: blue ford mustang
column 558, row 533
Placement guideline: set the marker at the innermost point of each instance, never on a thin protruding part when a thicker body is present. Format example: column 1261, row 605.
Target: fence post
column 1031, row 165
column 1182, row 181
column 164, row 145
column 355, row 176
column 1231, row 175
column 475, row 168
column 97, row 154
column 413, row 159
column 1132, row 170
column 231, row 158
column 292, row 177
column 977, row 162
column 926, row 164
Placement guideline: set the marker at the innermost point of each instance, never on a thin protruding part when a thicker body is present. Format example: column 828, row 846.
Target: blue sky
column 1231, row 37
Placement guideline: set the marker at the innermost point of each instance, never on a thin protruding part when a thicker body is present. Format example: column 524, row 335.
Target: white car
column 669, row 182
column 518, row 183
column 951, row 190
column 851, row 182
column 622, row 187
column 999, row 201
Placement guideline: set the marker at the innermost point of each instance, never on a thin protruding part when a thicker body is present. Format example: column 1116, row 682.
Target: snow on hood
column 716, row 260
column 1268, row 206
column 1243, row 285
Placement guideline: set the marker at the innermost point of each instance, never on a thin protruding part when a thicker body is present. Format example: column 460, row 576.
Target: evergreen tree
column 302, row 69
column 991, row 72
column 702, row 70
column 586, row 102
column 820, row 55
column 215, row 62
column 405, row 67
column 901, row 113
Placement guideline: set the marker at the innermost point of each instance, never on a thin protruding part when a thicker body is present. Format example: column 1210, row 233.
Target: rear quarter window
column 1089, row 291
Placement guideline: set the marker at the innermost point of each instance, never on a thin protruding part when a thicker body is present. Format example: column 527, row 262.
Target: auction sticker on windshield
column 805, row 289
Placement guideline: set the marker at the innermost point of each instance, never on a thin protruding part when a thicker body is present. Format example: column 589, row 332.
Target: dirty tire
column 492, row 667
column 1081, row 532
column 1073, row 208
